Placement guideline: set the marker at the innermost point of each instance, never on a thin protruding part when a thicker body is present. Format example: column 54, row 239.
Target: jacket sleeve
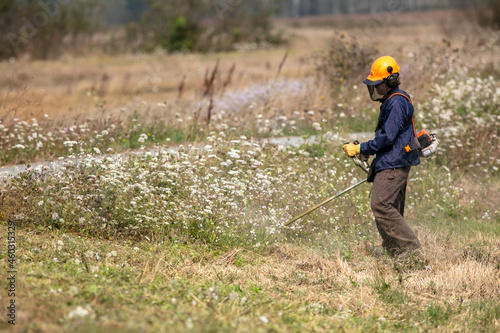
column 392, row 128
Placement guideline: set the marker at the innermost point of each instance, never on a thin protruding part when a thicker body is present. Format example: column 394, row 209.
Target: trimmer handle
column 361, row 160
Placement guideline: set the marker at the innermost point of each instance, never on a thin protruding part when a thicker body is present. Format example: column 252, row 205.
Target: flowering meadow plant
column 228, row 186
column 457, row 108
column 229, row 190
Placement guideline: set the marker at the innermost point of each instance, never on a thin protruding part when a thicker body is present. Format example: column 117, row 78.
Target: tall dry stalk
column 213, row 86
column 281, row 64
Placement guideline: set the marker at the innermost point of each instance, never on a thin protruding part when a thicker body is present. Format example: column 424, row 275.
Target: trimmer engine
column 425, row 143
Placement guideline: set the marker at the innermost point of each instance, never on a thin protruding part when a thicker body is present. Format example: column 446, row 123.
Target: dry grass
column 76, row 85
column 448, row 276
column 72, row 86
column 285, row 277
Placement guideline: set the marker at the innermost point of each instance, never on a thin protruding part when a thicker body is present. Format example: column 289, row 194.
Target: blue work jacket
column 395, row 131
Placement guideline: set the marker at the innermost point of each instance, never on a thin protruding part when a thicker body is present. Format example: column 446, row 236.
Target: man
column 392, row 162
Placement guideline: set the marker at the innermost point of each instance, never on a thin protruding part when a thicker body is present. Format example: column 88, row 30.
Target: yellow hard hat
column 381, row 69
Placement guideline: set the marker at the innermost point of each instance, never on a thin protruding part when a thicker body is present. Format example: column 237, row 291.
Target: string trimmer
column 359, row 160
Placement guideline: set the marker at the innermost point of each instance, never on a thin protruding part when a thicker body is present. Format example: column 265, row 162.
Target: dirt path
column 9, row 171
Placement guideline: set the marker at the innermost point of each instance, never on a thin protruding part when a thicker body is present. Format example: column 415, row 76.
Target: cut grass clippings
column 74, row 283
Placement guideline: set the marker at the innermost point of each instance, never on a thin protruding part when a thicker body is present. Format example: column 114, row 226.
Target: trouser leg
column 400, row 200
column 387, row 202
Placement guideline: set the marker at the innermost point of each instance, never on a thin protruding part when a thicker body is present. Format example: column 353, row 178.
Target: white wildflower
column 81, row 312
column 316, row 126
column 142, row 138
column 69, row 143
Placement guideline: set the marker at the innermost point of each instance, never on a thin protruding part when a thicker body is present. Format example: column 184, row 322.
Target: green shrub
column 203, row 26
column 183, row 35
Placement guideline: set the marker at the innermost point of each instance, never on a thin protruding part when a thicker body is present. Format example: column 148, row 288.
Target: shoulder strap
column 410, row 121
column 392, row 95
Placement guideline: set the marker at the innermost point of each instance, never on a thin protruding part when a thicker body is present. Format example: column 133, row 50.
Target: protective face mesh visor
column 379, row 94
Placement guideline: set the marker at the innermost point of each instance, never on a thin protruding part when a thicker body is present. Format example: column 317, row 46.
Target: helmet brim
column 372, row 80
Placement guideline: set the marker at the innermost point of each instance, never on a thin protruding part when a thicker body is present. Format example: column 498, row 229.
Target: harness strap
column 410, row 121
column 392, row 95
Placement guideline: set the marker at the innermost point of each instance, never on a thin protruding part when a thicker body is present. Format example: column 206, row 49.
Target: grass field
column 194, row 240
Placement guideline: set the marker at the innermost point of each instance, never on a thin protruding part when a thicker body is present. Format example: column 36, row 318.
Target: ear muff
column 392, row 80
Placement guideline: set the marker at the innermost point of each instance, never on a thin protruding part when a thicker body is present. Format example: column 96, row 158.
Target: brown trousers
column 387, row 202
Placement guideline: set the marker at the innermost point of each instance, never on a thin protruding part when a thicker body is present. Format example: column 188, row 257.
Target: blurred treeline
column 48, row 28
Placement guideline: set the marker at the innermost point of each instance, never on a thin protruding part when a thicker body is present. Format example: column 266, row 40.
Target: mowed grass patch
column 71, row 283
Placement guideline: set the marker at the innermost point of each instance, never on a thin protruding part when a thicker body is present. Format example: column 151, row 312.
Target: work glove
column 351, row 149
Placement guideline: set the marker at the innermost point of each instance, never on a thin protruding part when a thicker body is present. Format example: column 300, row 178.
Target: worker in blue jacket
column 392, row 163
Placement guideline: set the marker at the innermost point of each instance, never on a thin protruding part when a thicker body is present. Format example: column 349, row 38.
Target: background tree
column 194, row 25
column 486, row 12
column 47, row 28
column 44, row 29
